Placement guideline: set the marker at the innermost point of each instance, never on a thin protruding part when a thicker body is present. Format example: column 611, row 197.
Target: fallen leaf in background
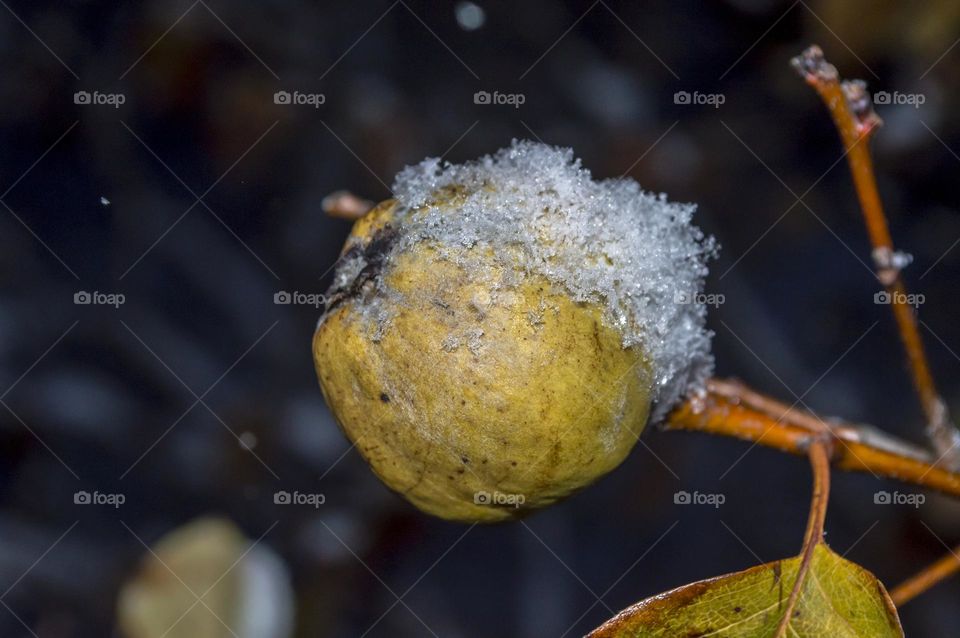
column 205, row 580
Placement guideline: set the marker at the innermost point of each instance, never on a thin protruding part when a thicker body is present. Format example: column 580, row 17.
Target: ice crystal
column 606, row 242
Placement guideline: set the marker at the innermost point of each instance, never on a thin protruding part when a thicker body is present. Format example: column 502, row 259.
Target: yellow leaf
column 839, row 599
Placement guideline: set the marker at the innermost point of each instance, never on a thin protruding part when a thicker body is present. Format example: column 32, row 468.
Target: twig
column 737, row 391
column 852, row 112
column 728, row 409
column 345, row 205
column 844, row 432
column 820, row 463
column 926, row 578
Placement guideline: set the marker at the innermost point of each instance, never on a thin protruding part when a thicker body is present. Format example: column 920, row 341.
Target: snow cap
column 607, row 242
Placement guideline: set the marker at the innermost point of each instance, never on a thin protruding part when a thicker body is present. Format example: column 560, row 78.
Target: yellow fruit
column 475, row 392
column 497, row 336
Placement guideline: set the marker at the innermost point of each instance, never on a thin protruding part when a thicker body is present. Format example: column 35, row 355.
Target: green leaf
column 839, row 599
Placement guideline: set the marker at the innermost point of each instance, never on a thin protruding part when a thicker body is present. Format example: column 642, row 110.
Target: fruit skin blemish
column 497, row 336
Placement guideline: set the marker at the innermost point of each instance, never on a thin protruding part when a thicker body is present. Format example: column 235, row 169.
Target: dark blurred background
column 198, row 198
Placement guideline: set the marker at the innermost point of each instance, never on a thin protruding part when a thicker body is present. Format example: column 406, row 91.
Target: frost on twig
column 814, row 68
column 889, row 263
column 861, row 105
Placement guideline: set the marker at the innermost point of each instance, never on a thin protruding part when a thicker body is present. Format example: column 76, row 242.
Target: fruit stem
column 345, row 205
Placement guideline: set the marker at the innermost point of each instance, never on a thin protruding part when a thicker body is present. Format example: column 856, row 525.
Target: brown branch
column 819, row 453
column 926, row 578
column 730, row 409
column 852, row 112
